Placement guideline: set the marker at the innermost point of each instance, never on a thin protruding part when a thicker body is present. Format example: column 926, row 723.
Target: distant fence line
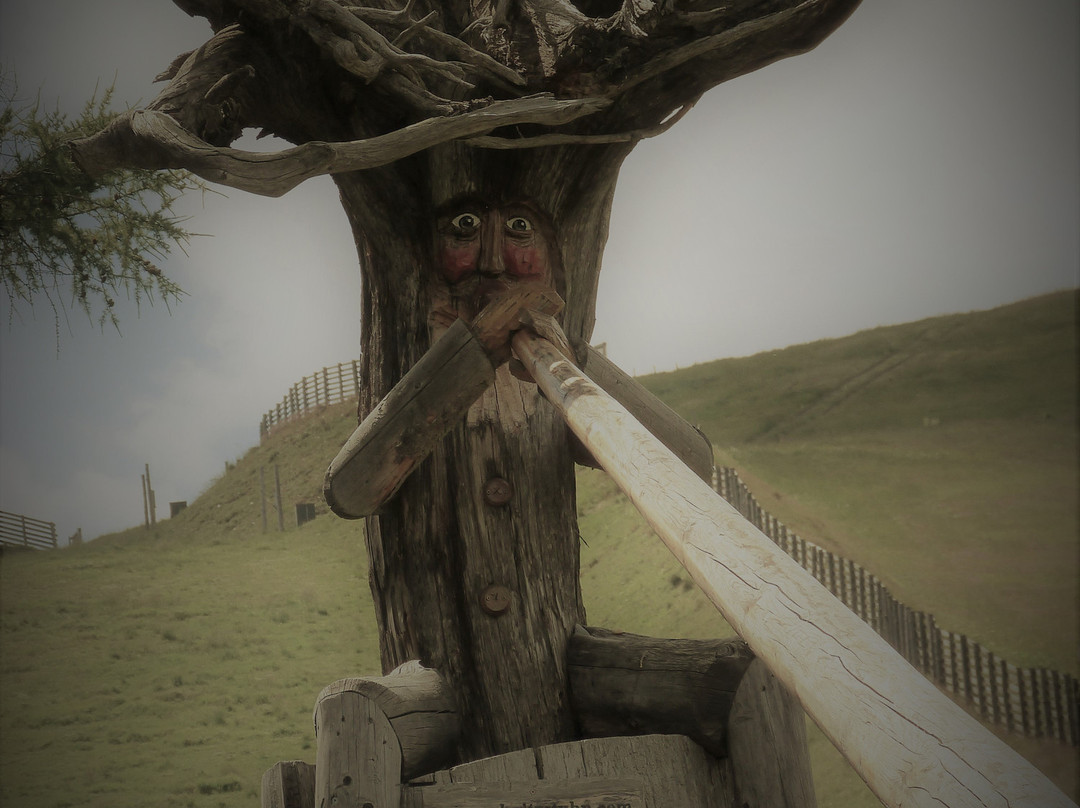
column 331, row 385
column 25, row 531
column 1036, row 702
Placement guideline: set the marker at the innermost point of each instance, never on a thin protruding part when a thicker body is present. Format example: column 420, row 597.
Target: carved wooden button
column 495, row 600
column 498, row 491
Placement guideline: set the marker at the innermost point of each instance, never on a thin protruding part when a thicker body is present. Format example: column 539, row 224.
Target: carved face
column 482, row 250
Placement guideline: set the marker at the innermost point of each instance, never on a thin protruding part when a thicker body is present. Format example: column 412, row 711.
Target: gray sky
column 923, row 160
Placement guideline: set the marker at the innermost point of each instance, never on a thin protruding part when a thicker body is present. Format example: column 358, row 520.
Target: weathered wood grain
column 358, row 761
column 371, row 733
column 152, row 139
column 674, row 771
column 427, row 403
column 495, row 322
column 688, row 442
column 519, row 766
column 626, row 684
column 767, row 744
column 289, row 784
column 911, row 743
column 405, row 426
column 590, row 791
column 345, row 81
column 650, row 771
column 417, row 702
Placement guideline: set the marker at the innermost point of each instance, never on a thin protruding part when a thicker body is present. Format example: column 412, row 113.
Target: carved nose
column 491, row 258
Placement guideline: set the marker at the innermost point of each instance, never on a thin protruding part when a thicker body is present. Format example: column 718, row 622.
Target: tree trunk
column 440, row 544
column 384, row 97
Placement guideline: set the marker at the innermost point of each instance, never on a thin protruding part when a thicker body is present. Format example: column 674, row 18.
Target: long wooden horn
column 911, row 744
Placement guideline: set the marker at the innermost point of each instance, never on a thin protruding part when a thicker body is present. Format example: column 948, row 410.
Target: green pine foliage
column 73, row 241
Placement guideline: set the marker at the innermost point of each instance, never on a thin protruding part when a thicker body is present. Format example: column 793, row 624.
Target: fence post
column 1026, row 710
column 1042, row 712
column 262, row 494
column 1072, row 696
column 939, row 651
column 145, row 502
column 860, row 587
column 150, row 497
column 1053, row 679
column 992, row 673
column 280, row 510
column 957, row 665
column 1006, row 696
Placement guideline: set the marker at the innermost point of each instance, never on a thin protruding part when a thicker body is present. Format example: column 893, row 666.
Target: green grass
column 973, row 522
column 941, row 455
column 171, row 667
column 170, row 670
column 1016, row 363
column 619, row 548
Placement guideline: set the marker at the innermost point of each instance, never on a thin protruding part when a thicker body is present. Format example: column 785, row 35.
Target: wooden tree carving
column 517, row 106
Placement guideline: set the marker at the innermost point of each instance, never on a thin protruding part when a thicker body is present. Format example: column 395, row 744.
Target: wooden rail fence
column 330, row 385
column 1036, row 702
column 24, row 531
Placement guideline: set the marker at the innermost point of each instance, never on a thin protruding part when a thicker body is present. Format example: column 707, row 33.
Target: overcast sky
column 923, row 160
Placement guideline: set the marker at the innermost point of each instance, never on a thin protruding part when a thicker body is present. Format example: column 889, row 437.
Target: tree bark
column 438, row 545
column 555, row 96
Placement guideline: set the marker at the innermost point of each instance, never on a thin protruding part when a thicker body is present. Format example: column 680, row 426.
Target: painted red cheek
column 454, row 262
column 527, row 263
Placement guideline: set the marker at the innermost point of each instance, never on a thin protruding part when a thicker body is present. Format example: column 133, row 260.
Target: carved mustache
column 476, row 291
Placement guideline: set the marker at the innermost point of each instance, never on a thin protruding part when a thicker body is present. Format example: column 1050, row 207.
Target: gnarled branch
column 653, row 59
column 561, row 139
column 150, row 139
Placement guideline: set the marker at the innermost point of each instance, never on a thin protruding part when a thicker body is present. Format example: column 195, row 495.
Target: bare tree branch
column 151, row 139
column 486, row 66
column 560, row 139
column 650, row 60
column 727, row 39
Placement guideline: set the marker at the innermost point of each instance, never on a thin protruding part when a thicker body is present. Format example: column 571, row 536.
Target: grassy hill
column 171, row 667
column 941, row 455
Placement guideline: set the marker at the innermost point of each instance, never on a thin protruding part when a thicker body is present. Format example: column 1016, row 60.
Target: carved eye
column 518, row 224
column 466, row 222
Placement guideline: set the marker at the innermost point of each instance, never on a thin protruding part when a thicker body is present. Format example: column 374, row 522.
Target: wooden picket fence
column 25, row 531
column 331, row 385
column 1036, row 702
